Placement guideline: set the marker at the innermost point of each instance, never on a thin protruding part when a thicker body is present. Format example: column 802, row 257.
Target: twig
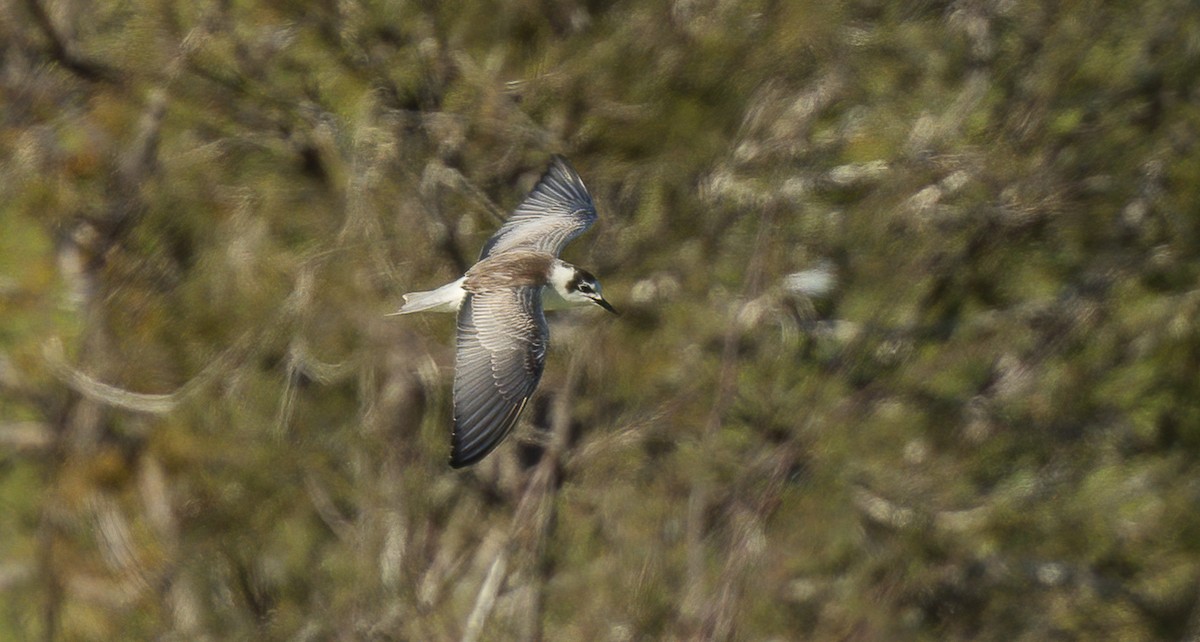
column 15, row 574
column 26, row 435
column 532, row 520
column 153, row 404
column 486, row 600
column 64, row 53
column 104, row 393
column 327, row 510
column 726, row 387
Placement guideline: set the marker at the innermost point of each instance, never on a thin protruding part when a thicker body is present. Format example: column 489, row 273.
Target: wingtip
column 560, row 164
column 461, row 456
column 461, row 459
column 563, row 181
column 458, row 464
column 482, row 442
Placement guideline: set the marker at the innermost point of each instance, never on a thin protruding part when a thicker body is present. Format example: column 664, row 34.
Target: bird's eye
column 585, row 288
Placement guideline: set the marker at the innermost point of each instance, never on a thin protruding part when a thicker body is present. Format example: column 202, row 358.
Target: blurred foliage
column 987, row 429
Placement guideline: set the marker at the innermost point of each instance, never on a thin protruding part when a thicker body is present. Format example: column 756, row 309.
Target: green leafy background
column 987, row 429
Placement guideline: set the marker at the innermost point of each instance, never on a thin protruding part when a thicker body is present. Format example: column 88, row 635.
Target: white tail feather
column 444, row 299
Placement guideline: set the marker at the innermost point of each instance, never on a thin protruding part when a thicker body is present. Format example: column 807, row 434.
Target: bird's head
column 578, row 286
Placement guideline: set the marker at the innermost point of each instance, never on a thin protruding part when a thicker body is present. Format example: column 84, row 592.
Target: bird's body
column 502, row 332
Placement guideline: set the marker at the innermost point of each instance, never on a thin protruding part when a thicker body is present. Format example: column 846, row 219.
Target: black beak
column 605, row 304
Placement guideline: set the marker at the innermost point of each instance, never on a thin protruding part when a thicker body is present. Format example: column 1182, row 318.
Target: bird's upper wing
column 502, row 337
column 557, row 210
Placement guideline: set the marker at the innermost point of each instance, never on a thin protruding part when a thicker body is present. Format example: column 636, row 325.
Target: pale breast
column 515, row 268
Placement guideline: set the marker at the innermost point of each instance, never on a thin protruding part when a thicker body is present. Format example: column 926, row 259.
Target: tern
column 502, row 332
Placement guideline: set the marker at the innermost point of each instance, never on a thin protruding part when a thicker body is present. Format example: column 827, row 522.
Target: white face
column 561, row 276
column 575, row 288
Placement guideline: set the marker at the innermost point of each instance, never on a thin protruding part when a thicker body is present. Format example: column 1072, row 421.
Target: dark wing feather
column 502, row 338
column 557, row 210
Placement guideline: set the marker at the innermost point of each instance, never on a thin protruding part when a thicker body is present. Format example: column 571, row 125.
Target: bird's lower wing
column 501, row 351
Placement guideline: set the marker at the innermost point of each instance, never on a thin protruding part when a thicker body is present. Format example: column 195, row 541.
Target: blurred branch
column 26, row 435
column 532, row 521
column 486, row 600
column 1192, row 632
column 141, row 155
column 10, row 380
column 50, row 574
column 435, row 176
column 747, row 545
column 104, row 393
column 300, row 364
column 114, row 537
column 327, row 510
column 137, row 162
column 101, row 591
column 14, row 574
column 882, row 511
column 177, row 597
column 512, row 117
column 302, row 361
column 691, row 606
column 154, row 404
column 64, row 52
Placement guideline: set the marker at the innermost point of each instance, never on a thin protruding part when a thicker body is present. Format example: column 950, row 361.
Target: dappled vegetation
column 909, row 351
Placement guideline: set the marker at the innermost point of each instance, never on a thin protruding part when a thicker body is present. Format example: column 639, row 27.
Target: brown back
column 515, row 268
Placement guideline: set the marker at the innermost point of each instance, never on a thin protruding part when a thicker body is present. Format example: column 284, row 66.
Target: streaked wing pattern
column 557, row 210
column 502, row 337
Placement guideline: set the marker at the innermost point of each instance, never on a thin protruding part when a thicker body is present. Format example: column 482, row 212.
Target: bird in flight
column 502, row 332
